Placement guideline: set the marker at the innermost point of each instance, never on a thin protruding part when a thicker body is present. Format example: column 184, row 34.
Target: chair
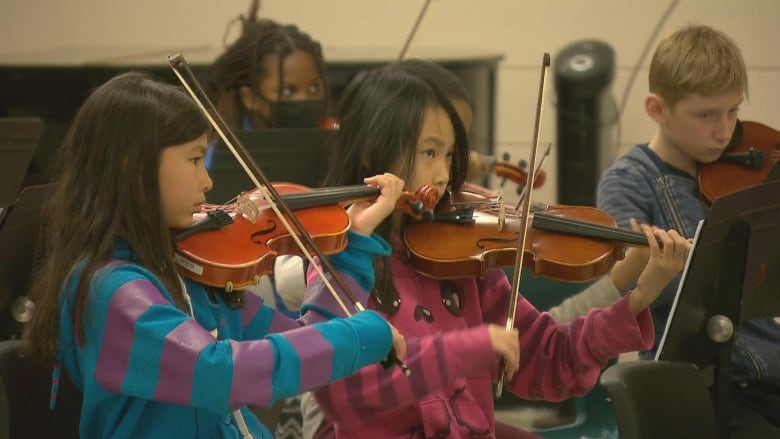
column 660, row 399
column 25, row 389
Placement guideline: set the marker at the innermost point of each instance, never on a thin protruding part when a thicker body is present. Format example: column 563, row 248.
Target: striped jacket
column 150, row 370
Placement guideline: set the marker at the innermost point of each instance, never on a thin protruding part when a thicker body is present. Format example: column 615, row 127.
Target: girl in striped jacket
column 155, row 355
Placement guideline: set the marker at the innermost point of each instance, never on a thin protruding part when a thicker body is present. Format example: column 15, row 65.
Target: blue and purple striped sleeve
column 143, row 346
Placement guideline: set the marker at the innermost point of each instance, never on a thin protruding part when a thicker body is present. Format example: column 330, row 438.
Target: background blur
column 519, row 31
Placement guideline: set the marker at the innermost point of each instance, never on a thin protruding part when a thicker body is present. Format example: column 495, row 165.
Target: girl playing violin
column 392, row 120
column 604, row 290
column 154, row 354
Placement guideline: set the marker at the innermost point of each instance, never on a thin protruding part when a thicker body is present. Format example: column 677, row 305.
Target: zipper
column 678, row 223
column 239, row 418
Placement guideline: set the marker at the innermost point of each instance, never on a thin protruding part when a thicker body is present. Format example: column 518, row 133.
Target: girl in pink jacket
column 392, row 120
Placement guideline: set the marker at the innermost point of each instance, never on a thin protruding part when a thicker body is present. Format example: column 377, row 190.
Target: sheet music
column 680, row 287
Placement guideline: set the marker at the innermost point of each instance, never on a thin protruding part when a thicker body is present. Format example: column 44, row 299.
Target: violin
column 283, row 213
column 567, row 243
column 516, row 173
column 481, row 164
column 234, row 245
column 751, row 155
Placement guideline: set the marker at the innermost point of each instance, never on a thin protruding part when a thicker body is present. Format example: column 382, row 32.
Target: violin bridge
column 247, row 208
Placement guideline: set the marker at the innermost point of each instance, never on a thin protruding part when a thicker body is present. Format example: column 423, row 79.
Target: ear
column 248, row 98
column 654, row 106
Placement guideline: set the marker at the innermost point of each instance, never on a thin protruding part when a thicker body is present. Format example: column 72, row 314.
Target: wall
column 520, row 30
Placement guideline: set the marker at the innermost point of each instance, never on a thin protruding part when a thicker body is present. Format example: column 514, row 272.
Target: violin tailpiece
column 247, row 208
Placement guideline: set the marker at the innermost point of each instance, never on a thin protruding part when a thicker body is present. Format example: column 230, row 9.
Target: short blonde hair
column 697, row 60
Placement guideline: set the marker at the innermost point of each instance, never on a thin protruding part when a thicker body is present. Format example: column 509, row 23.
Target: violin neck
column 328, row 196
column 554, row 223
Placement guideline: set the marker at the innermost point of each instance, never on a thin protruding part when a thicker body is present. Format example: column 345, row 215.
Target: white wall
column 520, row 30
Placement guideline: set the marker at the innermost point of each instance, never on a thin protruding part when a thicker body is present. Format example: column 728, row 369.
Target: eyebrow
column 433, row 139
column 200, row 148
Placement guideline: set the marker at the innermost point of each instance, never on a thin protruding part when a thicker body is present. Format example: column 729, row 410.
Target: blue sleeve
column 141, row 346
column 624, row 195
column 357, row 260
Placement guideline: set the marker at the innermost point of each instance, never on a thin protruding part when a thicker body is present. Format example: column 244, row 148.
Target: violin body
column 753, row 152
column 234, row 252
column 447, row 250
column 237, row 255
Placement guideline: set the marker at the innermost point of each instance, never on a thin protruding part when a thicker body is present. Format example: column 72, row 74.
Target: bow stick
column 413, row 33
column 510, row 318
column 275, row 201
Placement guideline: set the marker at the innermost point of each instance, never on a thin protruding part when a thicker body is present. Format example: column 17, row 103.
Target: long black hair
column 108, row 187
column 380, row 117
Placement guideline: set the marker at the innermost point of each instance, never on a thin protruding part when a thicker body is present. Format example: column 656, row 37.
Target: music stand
column 19, row 237
column 731, row 275
column 295, row 155
column 19, row 137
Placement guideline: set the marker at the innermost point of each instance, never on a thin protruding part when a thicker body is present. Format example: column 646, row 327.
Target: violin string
column 536, row 174
column 589, row 229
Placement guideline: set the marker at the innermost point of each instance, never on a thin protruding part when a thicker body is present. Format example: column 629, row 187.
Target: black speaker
column 585, row 115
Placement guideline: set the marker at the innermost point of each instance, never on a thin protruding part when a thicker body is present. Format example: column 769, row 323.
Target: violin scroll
column 419, row 205
column 753, row 152
column 517, row 173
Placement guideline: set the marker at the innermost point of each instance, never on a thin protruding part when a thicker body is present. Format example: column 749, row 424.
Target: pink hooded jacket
column 449, row 393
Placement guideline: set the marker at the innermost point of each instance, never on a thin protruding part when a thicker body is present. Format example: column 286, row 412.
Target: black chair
column 660, row 399
column 25, row 389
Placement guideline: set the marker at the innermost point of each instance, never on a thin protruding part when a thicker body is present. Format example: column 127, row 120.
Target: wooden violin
column 284, row 214
column 517, row 173
column 233, row 246
column 472, row 234
column 752, row 153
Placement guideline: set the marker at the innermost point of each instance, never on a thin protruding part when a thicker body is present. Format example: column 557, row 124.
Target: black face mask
column 297, row 114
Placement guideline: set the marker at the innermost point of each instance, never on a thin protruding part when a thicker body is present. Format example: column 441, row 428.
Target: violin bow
column 413, row 33
column 536, row 175
column 181, row 68
column 524, row 223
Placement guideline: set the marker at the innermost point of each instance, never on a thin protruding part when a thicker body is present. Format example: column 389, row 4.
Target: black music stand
column 19, row 239
column 19, row 137
column 733, row 274
column 295, row 155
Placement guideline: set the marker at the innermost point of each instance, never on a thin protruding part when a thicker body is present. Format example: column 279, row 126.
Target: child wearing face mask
column 272, row 76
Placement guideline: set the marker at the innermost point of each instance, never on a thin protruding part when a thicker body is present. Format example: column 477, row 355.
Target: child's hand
column 399, row 343
column 397, row 352
column 506, row 345
column 367, row 215
column 625, row 271
column 664, row 264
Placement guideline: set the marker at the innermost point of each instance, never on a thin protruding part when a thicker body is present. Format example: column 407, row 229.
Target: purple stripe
column 421, row 382
column 127, row 304
column 281, row 323
column 355, row 392
column 316, row 366
column 180, row 353
column 253, row 363
column 252, row 304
